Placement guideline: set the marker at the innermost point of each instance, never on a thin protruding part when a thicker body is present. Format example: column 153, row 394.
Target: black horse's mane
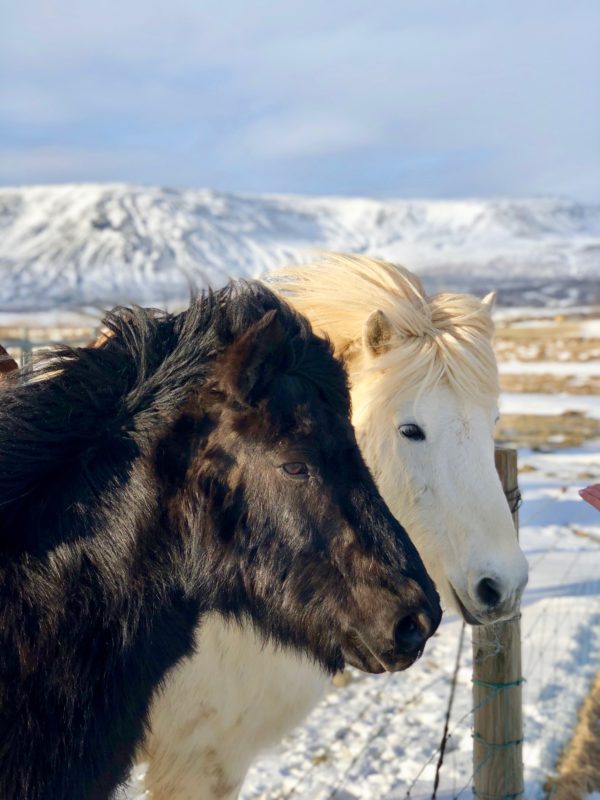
column 72, row 423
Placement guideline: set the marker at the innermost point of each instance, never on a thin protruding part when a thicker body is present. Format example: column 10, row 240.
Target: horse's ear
column 489, row 301
column 377, row 333
column 251, row 362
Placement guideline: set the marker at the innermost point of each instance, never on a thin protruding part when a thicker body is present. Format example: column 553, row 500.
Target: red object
column 591, row 495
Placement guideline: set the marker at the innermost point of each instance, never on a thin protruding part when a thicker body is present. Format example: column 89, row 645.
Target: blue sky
column 427, row 98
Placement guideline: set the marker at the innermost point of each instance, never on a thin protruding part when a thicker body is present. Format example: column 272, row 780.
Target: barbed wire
column 443, row 743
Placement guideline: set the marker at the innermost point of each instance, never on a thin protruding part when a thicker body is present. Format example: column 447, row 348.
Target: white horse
column 425, row 394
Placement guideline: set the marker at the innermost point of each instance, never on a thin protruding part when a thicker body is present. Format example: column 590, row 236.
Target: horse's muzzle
column 393, row 639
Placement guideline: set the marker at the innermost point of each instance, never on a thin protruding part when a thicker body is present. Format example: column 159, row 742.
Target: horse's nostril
column 489, row 593
column 411, row 632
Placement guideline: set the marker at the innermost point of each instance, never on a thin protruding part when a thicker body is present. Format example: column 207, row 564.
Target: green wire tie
column 497, row 745
column 487, row 685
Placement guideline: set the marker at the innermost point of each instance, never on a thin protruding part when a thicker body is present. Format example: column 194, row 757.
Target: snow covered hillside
column 76, row 245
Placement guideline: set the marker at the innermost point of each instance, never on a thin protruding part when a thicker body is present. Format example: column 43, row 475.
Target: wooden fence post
column 25, row 347
column 497, row 680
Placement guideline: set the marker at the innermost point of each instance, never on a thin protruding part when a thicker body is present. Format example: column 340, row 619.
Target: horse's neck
column 107, row 629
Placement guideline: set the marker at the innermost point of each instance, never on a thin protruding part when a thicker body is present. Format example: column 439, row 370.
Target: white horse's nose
column 498, row 597
column 489, row 592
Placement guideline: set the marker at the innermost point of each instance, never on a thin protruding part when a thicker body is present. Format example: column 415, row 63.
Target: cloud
column 41, row 164
column 432, row 97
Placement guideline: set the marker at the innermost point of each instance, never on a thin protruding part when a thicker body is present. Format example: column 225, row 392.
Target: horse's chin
column 469, row 618
column 357, row 654
column 364, row 661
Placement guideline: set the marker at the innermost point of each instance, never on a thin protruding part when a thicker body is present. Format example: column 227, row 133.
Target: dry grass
column 48, row 334
column 559, row 340
column 571, row 429
column 12, row 337
column 563, row 340
column 551, row 384
column 579, row 765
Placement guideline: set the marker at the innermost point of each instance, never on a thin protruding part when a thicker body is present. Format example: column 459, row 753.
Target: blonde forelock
column 440, row 338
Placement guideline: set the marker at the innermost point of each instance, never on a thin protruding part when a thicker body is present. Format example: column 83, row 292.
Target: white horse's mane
column 440, row 338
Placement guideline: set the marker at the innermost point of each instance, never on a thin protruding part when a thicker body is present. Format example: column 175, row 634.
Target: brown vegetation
column 579, row 765
column 551, row 384
column 561, row 339
column 570, row 429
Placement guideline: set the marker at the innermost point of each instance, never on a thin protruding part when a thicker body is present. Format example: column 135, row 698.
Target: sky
column 389, row 98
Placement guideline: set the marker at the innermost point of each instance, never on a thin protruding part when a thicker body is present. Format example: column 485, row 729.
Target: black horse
column 194, row 462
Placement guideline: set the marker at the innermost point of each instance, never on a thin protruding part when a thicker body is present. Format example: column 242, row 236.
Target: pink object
column 592, row 495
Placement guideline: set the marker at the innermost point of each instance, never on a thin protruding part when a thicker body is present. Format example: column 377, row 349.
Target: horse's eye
column 296, row 469
column 412, row 432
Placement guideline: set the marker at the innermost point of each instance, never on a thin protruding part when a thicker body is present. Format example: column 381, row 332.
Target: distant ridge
column 98, row 244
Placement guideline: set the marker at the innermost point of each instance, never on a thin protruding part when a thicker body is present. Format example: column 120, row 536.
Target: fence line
column 22, row 346
column 445, row 736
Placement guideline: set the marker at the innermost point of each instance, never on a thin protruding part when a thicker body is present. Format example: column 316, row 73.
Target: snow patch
column 582, row 369
column 544, row 404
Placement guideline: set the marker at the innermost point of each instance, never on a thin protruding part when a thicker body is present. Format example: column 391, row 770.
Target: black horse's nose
column 412, row 631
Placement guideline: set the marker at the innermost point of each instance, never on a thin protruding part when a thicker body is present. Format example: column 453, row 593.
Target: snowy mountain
column 75, row 245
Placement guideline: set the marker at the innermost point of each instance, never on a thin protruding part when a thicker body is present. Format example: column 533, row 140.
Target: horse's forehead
column 311, row 399
column 442, row 405
column 277, row 420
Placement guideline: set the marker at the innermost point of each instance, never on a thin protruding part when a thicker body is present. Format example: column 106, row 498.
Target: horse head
column 425, row 404
column 298, row 538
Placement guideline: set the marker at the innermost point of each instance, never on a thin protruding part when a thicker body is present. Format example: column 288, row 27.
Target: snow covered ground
column 526, row 403
column 585, row 369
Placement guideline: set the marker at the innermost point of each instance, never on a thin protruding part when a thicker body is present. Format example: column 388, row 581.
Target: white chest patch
column 220, row 708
